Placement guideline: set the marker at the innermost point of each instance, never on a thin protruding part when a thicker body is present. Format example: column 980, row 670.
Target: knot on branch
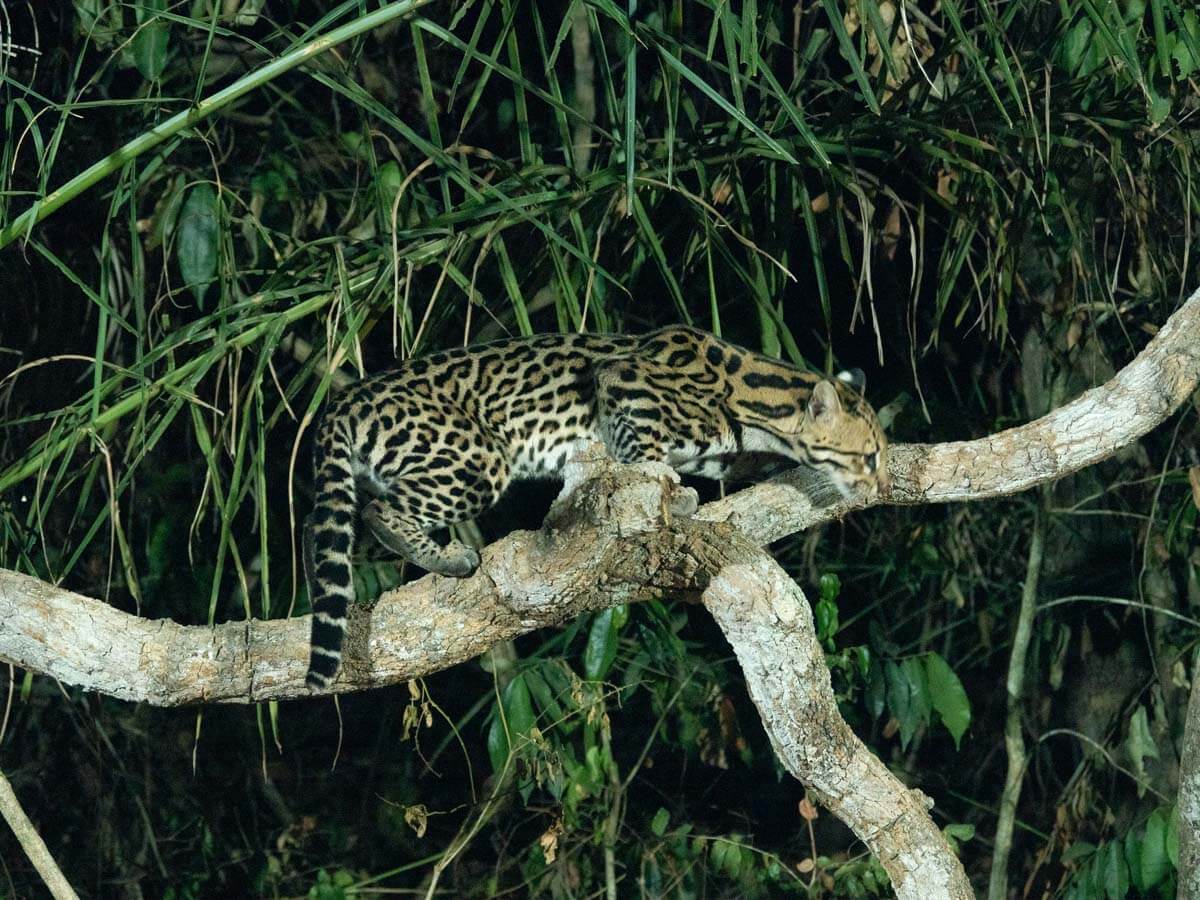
column 601, row 503
column 622, row 499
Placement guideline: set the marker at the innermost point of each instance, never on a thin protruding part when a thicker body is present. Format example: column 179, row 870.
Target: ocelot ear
column 856, row 378
column 824, row 401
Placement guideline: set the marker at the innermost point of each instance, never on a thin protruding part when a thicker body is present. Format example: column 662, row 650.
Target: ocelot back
column 437, row 440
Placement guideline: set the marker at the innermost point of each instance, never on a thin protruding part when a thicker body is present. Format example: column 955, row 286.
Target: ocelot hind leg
column 396, row 531
column 404, row 515
column 367, row 549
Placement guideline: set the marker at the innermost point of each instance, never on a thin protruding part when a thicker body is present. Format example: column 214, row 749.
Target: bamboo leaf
column 196, row 240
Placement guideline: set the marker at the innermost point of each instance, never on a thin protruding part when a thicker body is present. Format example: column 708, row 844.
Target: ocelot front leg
column 648, row 411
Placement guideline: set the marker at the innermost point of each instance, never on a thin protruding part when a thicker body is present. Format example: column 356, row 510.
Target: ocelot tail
column 437, row 440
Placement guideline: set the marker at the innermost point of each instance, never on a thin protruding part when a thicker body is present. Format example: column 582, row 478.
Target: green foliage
column 1142, row 864
column 331, row 887
column 151, row 41
column 947, row 697
column 987, row 206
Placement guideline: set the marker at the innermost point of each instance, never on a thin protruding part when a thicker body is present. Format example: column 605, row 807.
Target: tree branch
column 767, row 620
column 527, row 581
column 615, row 535
column 1188, row 811
column 33, row 845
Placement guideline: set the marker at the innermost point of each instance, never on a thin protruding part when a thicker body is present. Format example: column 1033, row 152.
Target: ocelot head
column 843, row 438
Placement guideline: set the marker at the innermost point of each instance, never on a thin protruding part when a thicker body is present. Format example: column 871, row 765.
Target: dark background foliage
column 988, row 207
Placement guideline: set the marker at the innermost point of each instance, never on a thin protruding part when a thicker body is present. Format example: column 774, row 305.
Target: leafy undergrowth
column 987, row 207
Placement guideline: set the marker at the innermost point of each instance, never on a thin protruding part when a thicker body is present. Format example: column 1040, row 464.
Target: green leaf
column 497, row 743
column 962, row 831
column 1160, row 107
column 658, row 825
column 544, row 697
column 1185, row 62
column 1133, row 859
column 518, row 709
column 196, row 240
column 1116, row 873
column 1078, row 850
column 149, row 45
column 595, row 764
column 1075, row 44
column 825, row 614
column 1154, row 850
column 957, row 833
column 862, row 659
column 1173, row 839
column 908, row 696
column 601, row 647
column 388, row 181
column 518, row 713
column 947, row 696
column 1140, row 745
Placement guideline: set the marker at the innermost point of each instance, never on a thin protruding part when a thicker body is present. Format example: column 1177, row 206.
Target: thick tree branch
column 612, row 538
column 526, row 582
column 1188, row 813
column 614, row 535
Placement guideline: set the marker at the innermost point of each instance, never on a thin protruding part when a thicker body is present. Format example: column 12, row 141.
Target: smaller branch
column 1189, row 798
column 33, row 845
column 768, row 622
column 1014, row 744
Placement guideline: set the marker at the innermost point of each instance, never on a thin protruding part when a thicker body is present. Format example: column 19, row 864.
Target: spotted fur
column 439, row 439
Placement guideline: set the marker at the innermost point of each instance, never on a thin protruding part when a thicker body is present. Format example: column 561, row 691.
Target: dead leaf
column 808, row 812
column 805, row 866
column 1194, row 481
column 891, row 232
column 549, row 841
column 417, row 818
column 945, row 184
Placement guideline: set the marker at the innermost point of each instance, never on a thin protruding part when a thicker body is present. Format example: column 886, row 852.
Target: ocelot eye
column 873, row 462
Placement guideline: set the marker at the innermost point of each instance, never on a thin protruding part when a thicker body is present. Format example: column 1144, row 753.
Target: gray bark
column 1188, row 812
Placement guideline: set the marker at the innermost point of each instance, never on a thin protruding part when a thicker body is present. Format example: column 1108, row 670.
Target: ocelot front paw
column 456, row 560
column 684, row 502
column 678, row 501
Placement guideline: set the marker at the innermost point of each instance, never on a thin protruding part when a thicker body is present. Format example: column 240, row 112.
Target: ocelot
column 438, row 440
